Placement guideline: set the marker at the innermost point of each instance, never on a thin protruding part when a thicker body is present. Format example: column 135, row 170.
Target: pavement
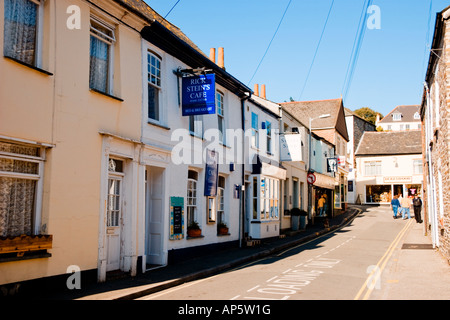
column 404, row 268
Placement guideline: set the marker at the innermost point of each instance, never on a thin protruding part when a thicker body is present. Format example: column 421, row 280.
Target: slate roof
column 407, row 114
column 303, row 110
column 390, row 143
column 142, row 9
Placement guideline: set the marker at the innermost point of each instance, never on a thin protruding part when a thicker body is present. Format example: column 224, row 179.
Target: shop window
column 255, row 198
column 378, row 193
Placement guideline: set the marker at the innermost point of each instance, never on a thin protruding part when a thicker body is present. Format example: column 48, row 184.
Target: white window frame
column 37, row 211
column 397, row 116
column 372, row 168
column 194, row 198
column 157, row 83
column 418, row 166
column 269, row 137
column 110, row 41
column 196, row 125
column 39, row 33
column 221, row 200
column 147, row 51
column 255, row 131
column 220, row 103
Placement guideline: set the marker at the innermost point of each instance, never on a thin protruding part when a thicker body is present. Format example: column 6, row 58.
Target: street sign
column 311, row 178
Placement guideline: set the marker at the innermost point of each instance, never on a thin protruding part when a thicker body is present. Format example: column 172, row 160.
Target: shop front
column 323, row 187
column 263, row 200
column 392, row 186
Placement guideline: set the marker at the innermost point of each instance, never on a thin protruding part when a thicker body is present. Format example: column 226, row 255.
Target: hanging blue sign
column 199, row 95
column 211, row 173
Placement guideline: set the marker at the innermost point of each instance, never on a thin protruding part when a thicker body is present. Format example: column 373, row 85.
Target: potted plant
column 222, row 228
column 193, row 230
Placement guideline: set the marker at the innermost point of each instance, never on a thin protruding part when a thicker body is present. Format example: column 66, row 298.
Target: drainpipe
column 242, row 192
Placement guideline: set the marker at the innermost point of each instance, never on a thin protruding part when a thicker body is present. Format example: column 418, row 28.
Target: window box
column 24, row 243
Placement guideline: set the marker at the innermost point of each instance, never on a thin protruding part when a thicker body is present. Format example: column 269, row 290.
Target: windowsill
column 106, row 94
column 223, row 234
column 195, row 135
column 158, row 125
column 192, row 238
column 8, row 257
column 29, row 66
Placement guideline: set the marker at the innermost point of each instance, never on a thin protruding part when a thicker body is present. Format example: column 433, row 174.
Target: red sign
column 311, row 178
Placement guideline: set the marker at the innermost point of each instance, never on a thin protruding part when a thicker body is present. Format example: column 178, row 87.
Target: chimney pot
column 212, row 54
column 256, row 93
column 221, row 58
column 263, row 91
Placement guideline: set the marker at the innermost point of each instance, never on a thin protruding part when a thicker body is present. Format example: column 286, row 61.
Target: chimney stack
column 212, row 55
column 263, row 91
column 256, row 93
column 221, row 60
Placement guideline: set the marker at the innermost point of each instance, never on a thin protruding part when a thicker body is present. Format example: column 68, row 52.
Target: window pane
column 20, row 30
column 153, row 102
column 16, row 206
column 99, row 65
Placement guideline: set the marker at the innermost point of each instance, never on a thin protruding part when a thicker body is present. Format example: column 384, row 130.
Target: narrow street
column 353, row 263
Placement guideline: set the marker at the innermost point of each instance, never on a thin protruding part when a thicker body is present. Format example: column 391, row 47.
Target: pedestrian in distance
column 417, row 203
column 406, row 205
column 395, row 204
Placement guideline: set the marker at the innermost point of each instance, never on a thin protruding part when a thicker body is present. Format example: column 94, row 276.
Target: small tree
column 368, row 114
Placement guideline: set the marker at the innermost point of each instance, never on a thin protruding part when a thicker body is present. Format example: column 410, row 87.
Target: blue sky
column 392, row 61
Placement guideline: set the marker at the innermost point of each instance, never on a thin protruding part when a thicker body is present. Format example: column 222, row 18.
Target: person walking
column 406, row 205
column 417, row 203
column 321, row 206
column 395, row 204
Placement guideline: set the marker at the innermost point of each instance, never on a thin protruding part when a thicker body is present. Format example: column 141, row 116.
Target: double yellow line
column 374, row 276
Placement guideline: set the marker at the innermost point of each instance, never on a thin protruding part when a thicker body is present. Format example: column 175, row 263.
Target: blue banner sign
column 199, row 95
column 211, row 174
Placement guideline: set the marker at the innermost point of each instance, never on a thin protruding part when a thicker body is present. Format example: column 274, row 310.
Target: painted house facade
column 93, row 147
column 389, row 164
column 435, row 121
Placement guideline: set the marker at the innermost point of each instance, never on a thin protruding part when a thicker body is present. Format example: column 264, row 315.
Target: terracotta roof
column 390, row 143
column 304, row 110
column 407, row 114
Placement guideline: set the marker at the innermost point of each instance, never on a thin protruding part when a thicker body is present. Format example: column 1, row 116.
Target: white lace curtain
column 17, row 195
column 20, row 30
column 99, row 65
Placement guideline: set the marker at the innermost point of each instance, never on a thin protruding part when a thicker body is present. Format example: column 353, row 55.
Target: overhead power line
column 317, row 49
column 270, row 43
column 359, row 38
column 173, row 7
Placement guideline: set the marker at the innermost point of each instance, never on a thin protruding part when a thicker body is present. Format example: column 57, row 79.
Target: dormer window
column 416, row 116
column 397, row 117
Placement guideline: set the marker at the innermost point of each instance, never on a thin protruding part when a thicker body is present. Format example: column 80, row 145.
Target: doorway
column 154, row 217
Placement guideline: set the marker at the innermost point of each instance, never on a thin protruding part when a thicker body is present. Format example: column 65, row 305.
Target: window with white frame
column 21, row 176
column 372, row 168
column 255, row 131
column 418, row 166
column 269, row 197
column 220, row 115
column 22, row 27
column 101, row 56
column 154, row 86
column 221, row 200
column 417, row 116
column 191, row 204
column 196, row 125
column 397, row 116
column 269, row 136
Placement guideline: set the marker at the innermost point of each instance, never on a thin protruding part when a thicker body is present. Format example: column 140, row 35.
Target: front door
column 113, row 222
column 154, row 209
